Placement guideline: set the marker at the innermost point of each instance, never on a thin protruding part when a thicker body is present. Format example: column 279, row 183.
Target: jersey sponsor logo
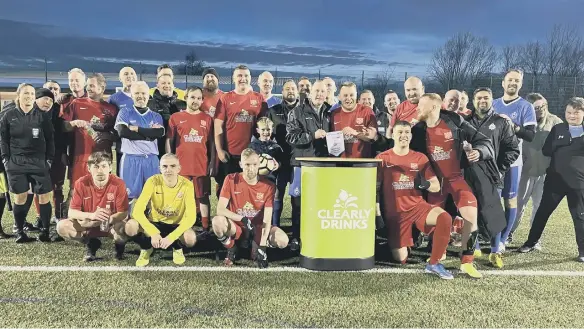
column 345, row 214
column 439, row 154
column 110, row 197
column 253, row 103
column 350, row 139
column 248, row 211
column 492, row 126
column 167, row 211
column 244, row 116
column 359, row 121
column 193, row 137
column 404, row 183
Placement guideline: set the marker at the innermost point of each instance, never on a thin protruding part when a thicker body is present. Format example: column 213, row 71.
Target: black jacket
column 271, row 148
column 279, row 116
column 303, row 122
column 60, row 136
column 567, row 155
column 502, row 135
column 165, row 106
column 382, row 143
column 26, row 141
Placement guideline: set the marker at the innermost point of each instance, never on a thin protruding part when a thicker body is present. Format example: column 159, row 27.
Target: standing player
column 211, row 91
column 390, row 101
column 92, row 121
column 139, row 129
column 190, row 133
column 382, row 118
column 357, row 122
column 166, row 69
column 165, row 213
column 266, row 83
column 407, row 111
column 27, row 150
column 462, row 106
column 401, row 177
column 98, row 208
column 235, row 119
column 521, row 116
column 441, row 135
column 451, row 100
column 77, row 80
column 331, row 90
column 123, row 99
column 245, row 208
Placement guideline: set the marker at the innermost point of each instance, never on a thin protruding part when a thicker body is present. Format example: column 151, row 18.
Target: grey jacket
column 534, row 162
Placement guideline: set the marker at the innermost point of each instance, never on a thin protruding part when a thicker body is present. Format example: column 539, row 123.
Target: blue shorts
column 135, row 170
column 511, row 183
column 294, row 189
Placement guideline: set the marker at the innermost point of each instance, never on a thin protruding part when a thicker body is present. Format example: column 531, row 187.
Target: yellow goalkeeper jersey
column 169, row 205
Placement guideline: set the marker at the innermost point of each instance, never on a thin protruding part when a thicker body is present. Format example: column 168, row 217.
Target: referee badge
column 35, row 132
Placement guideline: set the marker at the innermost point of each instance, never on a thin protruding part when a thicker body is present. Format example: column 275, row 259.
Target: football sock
column 495, row 243
column 441, row 237
column 19, row 212
column 45, row 211
column 510, row 215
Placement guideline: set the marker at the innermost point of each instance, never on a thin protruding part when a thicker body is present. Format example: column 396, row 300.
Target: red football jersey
column 248, row 200
column 396, row 174
column 101, row 117
column 193, row 137
column 361, row 117
column 239, row 114
column 440, row 145
column 87, row 197
column 406, row 111
column 210, row 101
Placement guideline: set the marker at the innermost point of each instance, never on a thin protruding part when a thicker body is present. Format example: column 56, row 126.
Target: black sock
column 144, row 242
column 2, row 205
column 45, row 214
column 28, row 203
column 19, row 212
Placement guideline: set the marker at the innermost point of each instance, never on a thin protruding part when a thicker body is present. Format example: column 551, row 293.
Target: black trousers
column 230, row 167
column 554, row 191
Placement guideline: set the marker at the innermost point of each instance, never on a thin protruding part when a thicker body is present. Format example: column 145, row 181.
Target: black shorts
column 21, row 182
column 165, row 229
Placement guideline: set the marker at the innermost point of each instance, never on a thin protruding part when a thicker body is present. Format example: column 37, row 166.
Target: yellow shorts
column 3, row 185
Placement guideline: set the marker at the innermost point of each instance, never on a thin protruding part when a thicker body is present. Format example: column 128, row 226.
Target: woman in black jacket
column 565, row 176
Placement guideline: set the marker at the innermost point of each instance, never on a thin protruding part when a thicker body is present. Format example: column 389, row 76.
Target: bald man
column 406, row 111
column 331, row 90
column 451, row 100
column 266, row 83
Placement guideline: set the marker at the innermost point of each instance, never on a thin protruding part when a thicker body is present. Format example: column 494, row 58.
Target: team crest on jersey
column 514, row 115
column 180, row 194
column 260, row 196
column 110, row 197
column 359, row 121
column 448, row 135
column 253, row 102
column 203, row 123
column 414, row 166
column 492, row 126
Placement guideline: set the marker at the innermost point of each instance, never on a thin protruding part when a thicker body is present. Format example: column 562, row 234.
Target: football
column 267, row 164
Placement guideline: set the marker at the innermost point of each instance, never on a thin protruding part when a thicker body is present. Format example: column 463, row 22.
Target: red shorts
column 239, row 231
column 202, row 186
column 399, row 226
column 461, row 193
column 77, row 170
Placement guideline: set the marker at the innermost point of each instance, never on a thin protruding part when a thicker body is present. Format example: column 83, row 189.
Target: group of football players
column 442, row 168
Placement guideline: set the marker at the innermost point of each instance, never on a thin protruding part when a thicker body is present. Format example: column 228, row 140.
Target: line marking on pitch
column 267, row 270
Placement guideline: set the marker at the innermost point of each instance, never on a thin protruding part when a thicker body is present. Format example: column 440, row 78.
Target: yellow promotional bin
column 337, row 219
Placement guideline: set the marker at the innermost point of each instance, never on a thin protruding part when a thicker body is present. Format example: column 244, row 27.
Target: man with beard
column 166, row 69
column 304, row 86
column 390, row 102
column 266, row 83
column 165, row 102
column 92, row 121
column 521, row 116
column 382, row 117
column 535, row 163
column 357, row 122
column 506, row 150
column 451, row 100
column 211, row 91
column 123, row 99
column 406, row 111
column 278, row 114
column 306, row 131
column 462, row 107
column 27, row 150
column 441, row 135
column 190, row 136
column 235, row 120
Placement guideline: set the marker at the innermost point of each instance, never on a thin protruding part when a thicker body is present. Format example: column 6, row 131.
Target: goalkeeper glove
column 420, row 183
column 261, row 257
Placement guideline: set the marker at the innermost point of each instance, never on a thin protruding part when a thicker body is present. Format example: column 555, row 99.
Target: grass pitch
column 532, row 298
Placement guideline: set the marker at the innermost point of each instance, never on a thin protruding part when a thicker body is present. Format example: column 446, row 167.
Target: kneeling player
column 244, row 211
column 171, row 213
column 402, row 175
column 98, row 208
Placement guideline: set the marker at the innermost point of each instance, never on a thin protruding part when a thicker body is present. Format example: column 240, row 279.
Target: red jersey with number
column 239, row 114
column 87, row 197
column 210, row 101
column 440, row 145
column 98, row 136
column 406, row 111
column 193, row 137
column 361, row 117
column 248, row 200
column 397, row 174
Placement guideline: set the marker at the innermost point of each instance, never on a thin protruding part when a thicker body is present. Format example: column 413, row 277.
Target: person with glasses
column 535, row 163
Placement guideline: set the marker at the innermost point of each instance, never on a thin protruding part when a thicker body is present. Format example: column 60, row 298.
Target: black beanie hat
column 42, row 92
column 210, row 70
